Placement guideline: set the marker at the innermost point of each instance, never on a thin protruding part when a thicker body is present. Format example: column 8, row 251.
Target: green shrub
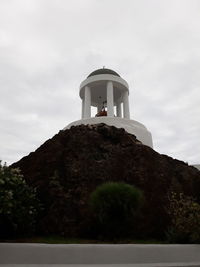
column 18, row 204
column 115, row 206
column 184, row 212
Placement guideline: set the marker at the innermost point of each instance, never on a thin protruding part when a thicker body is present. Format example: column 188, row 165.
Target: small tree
column 115, row 206
column 18, row 204
column 184, row 212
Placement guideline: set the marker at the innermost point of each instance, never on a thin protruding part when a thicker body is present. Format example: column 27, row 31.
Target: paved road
column 99, row 255
column 107, row 265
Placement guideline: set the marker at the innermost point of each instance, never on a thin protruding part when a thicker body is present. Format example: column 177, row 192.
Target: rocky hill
column 68, row 167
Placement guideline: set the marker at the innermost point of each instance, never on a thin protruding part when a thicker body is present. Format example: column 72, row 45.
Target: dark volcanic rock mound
column 68, row 167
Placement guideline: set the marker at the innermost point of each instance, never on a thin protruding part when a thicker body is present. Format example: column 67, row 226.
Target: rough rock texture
column 68, row 167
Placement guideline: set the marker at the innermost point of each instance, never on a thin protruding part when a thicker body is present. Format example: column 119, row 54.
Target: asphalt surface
column 15, row 254
column 105, row 265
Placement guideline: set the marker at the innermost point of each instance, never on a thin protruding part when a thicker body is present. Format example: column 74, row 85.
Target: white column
column 126, row 105
column 119, row 109
column 110, row 104
column 99, row 107
column 83, row 106
column 87, row 105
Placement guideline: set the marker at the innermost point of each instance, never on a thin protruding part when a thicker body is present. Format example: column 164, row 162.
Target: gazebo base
column 131, row 126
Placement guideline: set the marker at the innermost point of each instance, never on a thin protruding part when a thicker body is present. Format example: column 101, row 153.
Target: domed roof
column 103, row 71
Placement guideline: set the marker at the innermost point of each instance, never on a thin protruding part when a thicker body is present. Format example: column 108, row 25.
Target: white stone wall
column 131, row 126
column 197, row 166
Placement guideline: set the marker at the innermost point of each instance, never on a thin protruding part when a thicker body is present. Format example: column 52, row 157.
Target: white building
column 197, row 166
column 109, row 93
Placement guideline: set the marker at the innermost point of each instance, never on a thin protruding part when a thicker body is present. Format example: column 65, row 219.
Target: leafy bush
column 115, row 206
column 18, row 204
column 185, row 219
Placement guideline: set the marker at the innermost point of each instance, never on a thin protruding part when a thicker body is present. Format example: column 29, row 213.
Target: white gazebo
column 109, row 93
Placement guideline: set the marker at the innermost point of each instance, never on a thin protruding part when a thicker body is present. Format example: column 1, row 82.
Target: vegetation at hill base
column 184, row 212
column 19, row 205
column 115, row 206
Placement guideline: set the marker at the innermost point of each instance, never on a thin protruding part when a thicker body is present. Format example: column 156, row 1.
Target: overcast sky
column 48, row 47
